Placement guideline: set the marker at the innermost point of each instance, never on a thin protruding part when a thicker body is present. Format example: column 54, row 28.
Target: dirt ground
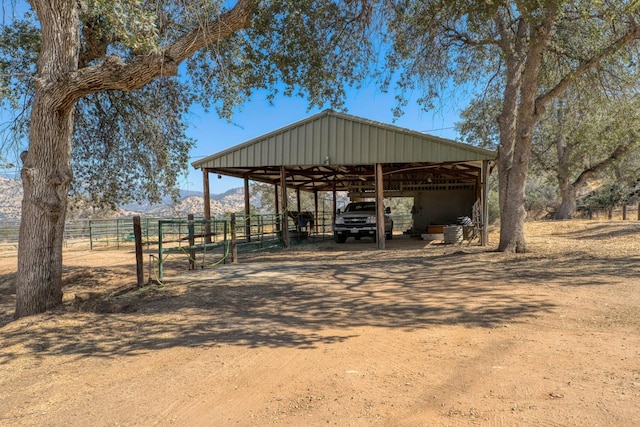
column 325, row 334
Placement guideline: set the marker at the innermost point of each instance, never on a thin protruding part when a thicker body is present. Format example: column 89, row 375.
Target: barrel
column 452, row 234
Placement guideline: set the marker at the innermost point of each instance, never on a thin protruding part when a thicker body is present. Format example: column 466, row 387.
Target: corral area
column 324, row 334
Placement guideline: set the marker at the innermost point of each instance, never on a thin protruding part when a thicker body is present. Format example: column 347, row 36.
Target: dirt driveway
column 326, row 334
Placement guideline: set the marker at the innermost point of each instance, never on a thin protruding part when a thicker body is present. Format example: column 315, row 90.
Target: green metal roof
column 344, row 140
column 336, row 150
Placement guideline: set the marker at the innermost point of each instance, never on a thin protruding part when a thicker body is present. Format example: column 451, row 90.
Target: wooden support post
column 484, row 235
column 207, row 205
column 315, row 215
column 90, row 235
column 277, row 203
column 247, row 210
column 335, row 207
column 479, row 193
column 297, row 224
column 379, row 184
column 192, row 241
column 624, row 212
column 285, row 218
column 234, row 241
column 137, row 234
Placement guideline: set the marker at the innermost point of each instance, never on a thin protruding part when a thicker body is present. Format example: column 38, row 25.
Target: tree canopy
column 96, row 80
column 579, row 140
column 131, row 144
column 529, row 51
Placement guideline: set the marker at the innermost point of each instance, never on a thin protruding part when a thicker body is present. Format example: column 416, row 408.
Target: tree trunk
column 512, row 183
column 511, row 171
column 568, row 191
column 568, row 204
column 46, row 175
column 514, row 156
column 517, row 120
column 46, row 171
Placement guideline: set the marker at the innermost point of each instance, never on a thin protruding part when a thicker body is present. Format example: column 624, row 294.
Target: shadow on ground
column 311, row 298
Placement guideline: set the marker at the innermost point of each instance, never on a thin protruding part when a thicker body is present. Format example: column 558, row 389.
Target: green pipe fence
column 194, row 238
column 254, row 232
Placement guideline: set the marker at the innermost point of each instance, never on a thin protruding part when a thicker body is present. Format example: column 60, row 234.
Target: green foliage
column 494, row 205
column 265, row 194
column 309, row 48
column 19, row 47
column 400, row 206
column 479, row 125
column 587, row 131
column 130, row 23
column 607, row 197
column 127, row 146
column 542, row 195
column 133, row 146
column 436, row 43
column 590, row 126
column 439, row 42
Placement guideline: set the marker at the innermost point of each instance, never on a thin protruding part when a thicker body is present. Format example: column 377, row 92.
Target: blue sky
column 258, row 117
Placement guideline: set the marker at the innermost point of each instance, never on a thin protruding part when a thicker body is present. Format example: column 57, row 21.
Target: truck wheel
column 340, row 238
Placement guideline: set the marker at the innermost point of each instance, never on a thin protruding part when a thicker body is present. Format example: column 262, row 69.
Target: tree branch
column 619, row 151
column 467, row 39
column 95, row 46
column 115, row 74
column 632, row 34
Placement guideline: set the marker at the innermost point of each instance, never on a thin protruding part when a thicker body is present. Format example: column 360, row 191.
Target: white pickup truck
column 359, row 220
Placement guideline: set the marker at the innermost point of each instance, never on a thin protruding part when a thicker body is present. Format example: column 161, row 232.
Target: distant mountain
column 190, row 202
column 10, row 199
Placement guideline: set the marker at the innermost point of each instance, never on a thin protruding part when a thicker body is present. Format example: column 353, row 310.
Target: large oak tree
column 580, row 140
column 583, row 141
column 93, row 48
column 536, row 48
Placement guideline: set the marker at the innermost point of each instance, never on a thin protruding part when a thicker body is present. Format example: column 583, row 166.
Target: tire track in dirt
column 467, row 367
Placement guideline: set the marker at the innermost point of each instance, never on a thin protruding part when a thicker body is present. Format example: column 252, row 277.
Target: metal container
column 452, row 234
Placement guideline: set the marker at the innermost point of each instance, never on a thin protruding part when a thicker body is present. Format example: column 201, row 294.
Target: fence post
column 192, row 242
column 160, row 267
column 137, row 233
column 234, row 246
column 624, row 212
column 225, row 241
column 90, row 237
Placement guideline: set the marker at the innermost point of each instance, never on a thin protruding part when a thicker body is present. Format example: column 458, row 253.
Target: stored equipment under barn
column 331, row 152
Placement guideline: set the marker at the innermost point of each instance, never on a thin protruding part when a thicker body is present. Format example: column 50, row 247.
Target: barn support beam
column 335, row 206
column 285, row 210
column 277, row 207
column 379, row 184
column 315, row 215
column 486, row 172
column 247, row 210
column 299, row 206
column 207, row 204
